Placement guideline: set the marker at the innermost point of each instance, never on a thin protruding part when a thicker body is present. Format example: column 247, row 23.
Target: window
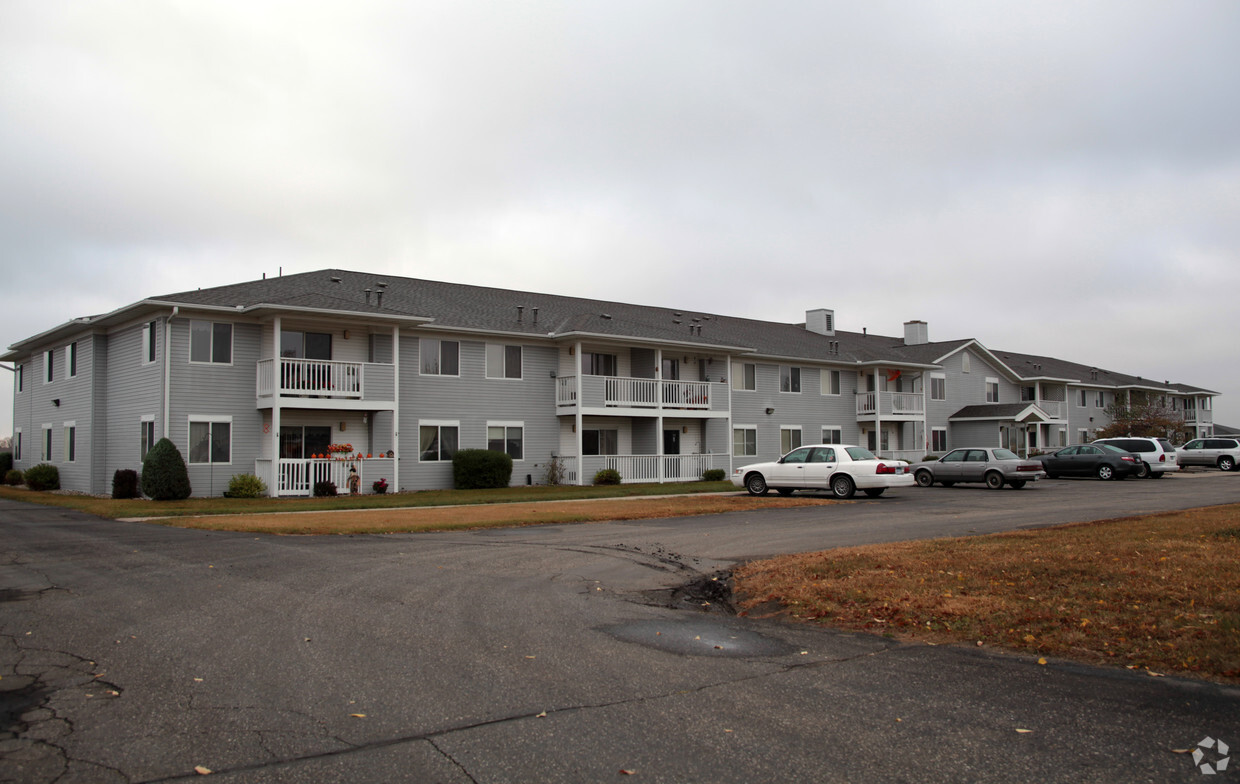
column 148, row 343
column 17, row 443
column 1082, row 435
column 70, row 453
column 789, row 439
column 210, row 342
column 992, row 390
column 503, row 361
column 1100, row 399
column 49, row 358
column 21, row 377
column 744, row 375
column 210, row 439
column 506, row 437
column 789, row 379
column 938, row 386
column 938, row 439
column 73, row 359
column 966, row 363
column 669, row 369
column 1081, row 398
column 832, row 435
column 1028, row 394
column 306, row 345
column 600, row 442
column 299, row 442
column 593, row 364
column 440, row 357
column 438, row 441
column 744, row 441
column 46, row 454
column 831, row 382
column 146, row 429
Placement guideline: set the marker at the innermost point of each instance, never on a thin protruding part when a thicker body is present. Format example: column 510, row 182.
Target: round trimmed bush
column 13, row 477
column 44, row 476
column 125, row 483
column 607, row 476
column 324, row 489
column 714, row 475
column 164, row 475
column 6, row 462
column 246, row 486
column 477, row 469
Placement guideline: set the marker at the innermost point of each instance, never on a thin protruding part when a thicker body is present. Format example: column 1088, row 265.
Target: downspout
column 731, row 434
column 168, row 367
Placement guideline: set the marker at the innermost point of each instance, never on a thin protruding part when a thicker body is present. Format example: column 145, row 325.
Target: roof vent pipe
column 520, row 313
column 535, row 312
column 379, row 297
column 367, row 296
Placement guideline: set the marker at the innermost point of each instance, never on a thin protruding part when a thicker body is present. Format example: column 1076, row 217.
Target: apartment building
column 278, row 376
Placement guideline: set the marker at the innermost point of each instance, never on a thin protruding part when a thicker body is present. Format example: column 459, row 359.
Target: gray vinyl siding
column 809, row 409
column 473, row 400
column 646, row 437
column 216, row 390
column 983, row 433
column 965, row 389
column 1089, row 416
column 101, row 478
column 135, row 389
column 75, row 396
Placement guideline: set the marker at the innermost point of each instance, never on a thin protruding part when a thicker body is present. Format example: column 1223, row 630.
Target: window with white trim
column 992, row 390
column 745, row 440
column 966, row 362
column 503, row 361
column 789, row 439
column 148, row 343
column 744, row 376
column 1063, row 436
column 210, row 342
column 938, row 439
column 830, row 382
column 438, row 441
column 1082, row 398
column 46, row 454
column 440, row 357
column 210, row 439
column 146, row 435
column 789, row 379
column 832, row 435
column 600, row 441
column 938, row 386
column 49, row 359
column 507, row 437
column 71, row 354
column 70, row 443
column 1082, row 435
column 1100, row 399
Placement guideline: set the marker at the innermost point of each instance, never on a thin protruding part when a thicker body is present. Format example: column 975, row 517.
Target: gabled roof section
column 1007, row 412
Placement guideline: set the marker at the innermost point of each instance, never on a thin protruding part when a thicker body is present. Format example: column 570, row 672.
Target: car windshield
column 1006, row 454
column 1112, row 449
column 860, row 453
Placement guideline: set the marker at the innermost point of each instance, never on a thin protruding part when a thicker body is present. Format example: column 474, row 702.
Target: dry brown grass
column 451, row 518
column 1160, row 592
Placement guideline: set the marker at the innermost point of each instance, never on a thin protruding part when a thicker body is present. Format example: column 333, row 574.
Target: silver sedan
column 995, row 467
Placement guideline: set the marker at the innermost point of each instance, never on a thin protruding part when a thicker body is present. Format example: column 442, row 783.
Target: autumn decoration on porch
column 380, row 486
column 340, row 449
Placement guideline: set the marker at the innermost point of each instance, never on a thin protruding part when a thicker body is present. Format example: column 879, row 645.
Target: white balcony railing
column 298, row 477
column 325, row 379
column 907, row 404
column 624, row 392
column 1055, row 409
column 645, row 468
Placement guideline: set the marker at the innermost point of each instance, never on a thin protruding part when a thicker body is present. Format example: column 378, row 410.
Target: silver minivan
column 1221, row 452
column 1158, row 455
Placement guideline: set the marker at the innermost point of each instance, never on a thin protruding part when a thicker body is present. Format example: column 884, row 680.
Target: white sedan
column 840, row 468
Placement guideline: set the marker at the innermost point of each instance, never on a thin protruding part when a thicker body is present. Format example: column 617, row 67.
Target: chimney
column 820, row 321
column 916, row 333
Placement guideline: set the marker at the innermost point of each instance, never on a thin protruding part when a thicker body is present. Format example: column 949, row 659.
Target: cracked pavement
column 131, row 652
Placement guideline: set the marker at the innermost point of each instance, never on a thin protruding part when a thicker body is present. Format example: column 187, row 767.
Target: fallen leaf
column 1023, row 731
column 358, row 715
column 624, row 772
column 1153, row 674
column 719, row 647
column 1042, row 661
column 202, row 770
column 1181, row 751
column 542, row 715
column 531, row 657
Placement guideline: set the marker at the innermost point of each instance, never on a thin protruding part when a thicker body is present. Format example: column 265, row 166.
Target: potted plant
column 380, row 486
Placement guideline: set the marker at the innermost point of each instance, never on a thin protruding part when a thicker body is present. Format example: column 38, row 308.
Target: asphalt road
column 131, row 652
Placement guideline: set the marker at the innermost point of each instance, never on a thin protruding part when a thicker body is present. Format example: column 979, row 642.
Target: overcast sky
column 1058, row 178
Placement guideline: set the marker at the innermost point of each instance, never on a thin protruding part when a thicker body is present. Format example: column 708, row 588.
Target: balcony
column 1198, row 416
column 318, row 383
column 298, row 477
column 1055, row 409
column 891, row 405
column 603, row 392
column 635, row 469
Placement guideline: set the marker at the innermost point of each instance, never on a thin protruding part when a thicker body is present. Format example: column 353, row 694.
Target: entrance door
column 671, row 447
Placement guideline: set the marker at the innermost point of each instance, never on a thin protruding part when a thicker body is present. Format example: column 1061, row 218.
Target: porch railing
column 325, row 378
column 1055, row 409
column 625, row 392
column 908, row 455
column 297, row 477
column 892, row 404
column 645, row 468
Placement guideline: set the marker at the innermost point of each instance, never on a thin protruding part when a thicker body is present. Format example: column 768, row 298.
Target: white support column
column 658, row 427
column 396, row 410
column 274, row 490
column 731, row 435
column 577, row 421
column 878, row 413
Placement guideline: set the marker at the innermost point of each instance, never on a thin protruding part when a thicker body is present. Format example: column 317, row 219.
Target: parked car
column 1157, row 455
column 1221, row 452
column 995, row 467
column 1101, row 460
column 840, row 468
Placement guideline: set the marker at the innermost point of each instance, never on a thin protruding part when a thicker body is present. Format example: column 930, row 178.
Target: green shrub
column 6, row 462
column 125, row 483
column 164, row 476
column 714, row 475
column 324, row 489
column 13, row 477
column 44, row 476
column 475, row 469
column 246, row 486
column 607, row 476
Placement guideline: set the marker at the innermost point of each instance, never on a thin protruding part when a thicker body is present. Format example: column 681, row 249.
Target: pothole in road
column 699, row 636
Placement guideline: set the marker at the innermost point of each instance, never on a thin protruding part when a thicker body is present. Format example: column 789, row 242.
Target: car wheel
column 1143, row 470
column 785, row 490
column 1017, row 484
column 756, row 484
column 1157, row 474
column 994, row 480
column 1227, row 463
column 1106, row 472
column 948, row 484
column 923, row 478
column 875, row 492
column 842, row 486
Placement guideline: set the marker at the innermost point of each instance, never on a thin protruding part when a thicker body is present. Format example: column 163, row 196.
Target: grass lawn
column 197, row 507
column 1159, row 593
